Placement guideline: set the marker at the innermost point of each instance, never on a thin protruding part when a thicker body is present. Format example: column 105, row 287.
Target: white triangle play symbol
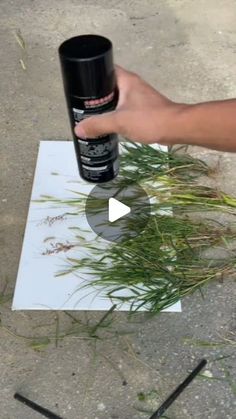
column 116, row 210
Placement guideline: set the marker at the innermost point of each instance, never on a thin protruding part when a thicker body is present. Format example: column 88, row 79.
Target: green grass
column 160, row 266
column 168, row 260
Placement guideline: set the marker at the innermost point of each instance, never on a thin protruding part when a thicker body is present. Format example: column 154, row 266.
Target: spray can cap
column 87, row 66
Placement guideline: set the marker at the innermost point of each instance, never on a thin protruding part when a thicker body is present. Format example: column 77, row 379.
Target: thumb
column 96, row 126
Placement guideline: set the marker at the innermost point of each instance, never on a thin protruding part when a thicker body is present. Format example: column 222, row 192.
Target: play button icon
column 116, row 211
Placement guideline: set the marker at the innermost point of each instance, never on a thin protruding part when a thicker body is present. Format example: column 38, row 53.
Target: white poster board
column 37, row 287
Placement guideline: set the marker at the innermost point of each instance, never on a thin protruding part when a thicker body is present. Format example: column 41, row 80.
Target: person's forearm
column 211, row 124
column 145, row 115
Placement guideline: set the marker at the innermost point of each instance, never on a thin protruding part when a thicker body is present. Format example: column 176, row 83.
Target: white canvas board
column 37, row 287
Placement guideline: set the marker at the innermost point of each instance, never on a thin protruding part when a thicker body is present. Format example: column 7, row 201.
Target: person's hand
column 142, row 113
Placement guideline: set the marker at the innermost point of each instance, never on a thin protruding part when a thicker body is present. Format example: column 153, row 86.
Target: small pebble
column 207, row 373
column 101, row 407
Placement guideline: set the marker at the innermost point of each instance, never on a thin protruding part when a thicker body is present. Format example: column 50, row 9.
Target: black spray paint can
column 90, row 89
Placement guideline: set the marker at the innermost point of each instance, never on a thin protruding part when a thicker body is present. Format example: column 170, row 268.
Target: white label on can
column 94, row 168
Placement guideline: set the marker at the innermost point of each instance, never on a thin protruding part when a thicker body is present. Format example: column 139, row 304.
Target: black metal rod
column 173, row 396
column 45, row 412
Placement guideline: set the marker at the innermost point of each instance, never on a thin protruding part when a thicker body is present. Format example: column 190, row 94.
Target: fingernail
column 79, row 131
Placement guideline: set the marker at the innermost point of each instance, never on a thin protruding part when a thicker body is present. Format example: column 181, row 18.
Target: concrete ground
column 186, row 48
